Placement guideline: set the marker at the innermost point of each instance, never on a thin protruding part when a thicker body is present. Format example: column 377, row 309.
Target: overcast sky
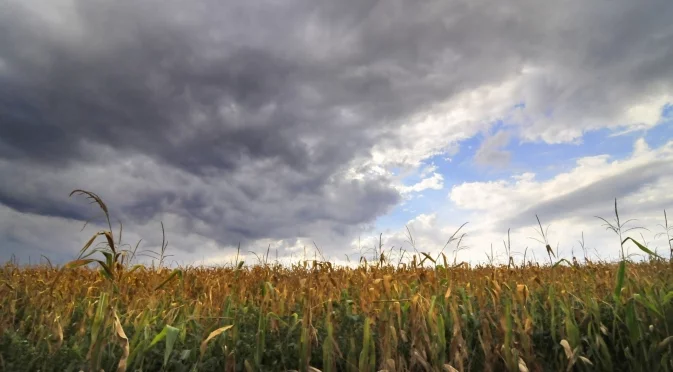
column 283, row 123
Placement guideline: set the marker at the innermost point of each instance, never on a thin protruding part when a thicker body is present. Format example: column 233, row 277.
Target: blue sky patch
column 544, row 160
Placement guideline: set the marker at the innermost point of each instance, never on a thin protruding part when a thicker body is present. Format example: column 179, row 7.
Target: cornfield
column 421, row 315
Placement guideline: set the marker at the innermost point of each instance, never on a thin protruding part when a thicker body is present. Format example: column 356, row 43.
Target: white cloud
column 551, row 113
column 504, row 198
column 646, row 113
column 562, row 203
column 438, row 130
column 433, row 182
column 431, row 168
column 491, row 153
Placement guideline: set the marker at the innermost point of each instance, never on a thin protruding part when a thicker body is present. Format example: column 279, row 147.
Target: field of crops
column 425, row 314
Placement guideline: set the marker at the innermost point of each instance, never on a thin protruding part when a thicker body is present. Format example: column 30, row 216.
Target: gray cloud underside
column 596, row 198
column 241, row 116
column 491, row 153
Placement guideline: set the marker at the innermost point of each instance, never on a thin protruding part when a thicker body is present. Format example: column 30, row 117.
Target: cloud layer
column 249, row 122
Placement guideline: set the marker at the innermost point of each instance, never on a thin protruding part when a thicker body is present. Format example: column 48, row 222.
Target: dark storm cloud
column 213, row 91
column 241, row 117
column 258, row 201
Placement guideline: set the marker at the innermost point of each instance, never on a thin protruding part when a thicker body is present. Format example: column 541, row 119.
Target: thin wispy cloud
column 491, row 151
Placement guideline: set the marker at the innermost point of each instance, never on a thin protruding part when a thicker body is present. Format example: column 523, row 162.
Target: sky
column 325, row 128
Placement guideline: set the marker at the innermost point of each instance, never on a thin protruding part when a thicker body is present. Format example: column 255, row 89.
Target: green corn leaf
column 135, row 267
column 169, row 333
column 77, row 263
column 560, row 261
column 632, row 323
column 171, row 336
column 88, row 244
column 667, row 298
column 99, row 321
column 364, row 354
column 105, row 274
column 84, row 262
column 351, row 360
column 621, row 272
column 275, row 316
column 648, row 304
column 372, row 356
column 642, row 248
column 176, row 272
